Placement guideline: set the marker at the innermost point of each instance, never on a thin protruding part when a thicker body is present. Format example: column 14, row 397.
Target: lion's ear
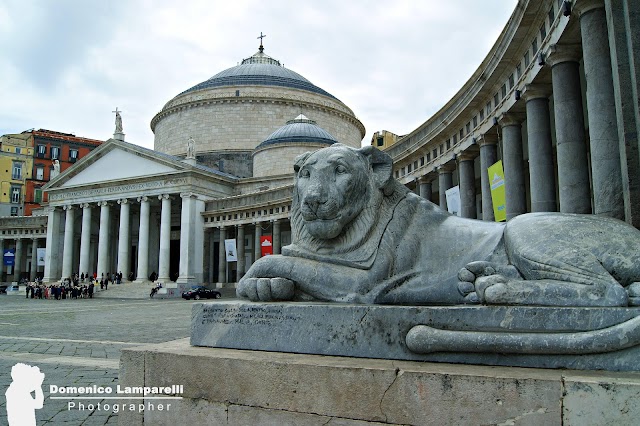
column 300, row 159
column 382, row 166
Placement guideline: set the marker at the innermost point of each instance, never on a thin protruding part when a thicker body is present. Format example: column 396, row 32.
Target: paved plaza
column 78, row 343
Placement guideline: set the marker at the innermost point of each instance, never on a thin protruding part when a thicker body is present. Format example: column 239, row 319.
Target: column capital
column 511, row 119
column 164, row 197
column 143, row 199
column 583, row 6
column 536, row 91
column 424, row 179
column 86, row 205
column 488, row 139
column 466, row 156
column 102, row 203
column 240, row 225
column 445, row 168
column 67, row 207
column 122, row 201
column 188, row 195
column 560, row 53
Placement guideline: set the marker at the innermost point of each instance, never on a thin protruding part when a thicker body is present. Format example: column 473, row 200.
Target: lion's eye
column 341, row 169
column 304, row 173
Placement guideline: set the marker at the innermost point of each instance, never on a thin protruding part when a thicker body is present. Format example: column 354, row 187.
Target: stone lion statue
column 359, row 236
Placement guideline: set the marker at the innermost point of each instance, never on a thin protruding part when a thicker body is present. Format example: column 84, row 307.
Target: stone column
column 165, row 239
column 2, row 262
column 467, row 185
column 573, row 166
column 85, row 240
column 103, row 239
column 18, row 261
column 124, row 239
column 488, row 157
column 445, row 181
column 34, row 259
column 541, row 167
column 606, row 172
column 67, row 250
column 257, row 248
column 191, row 240
column 52, row 258
column 513, row 164
column 276, row 236
column 240, row 243
column 624, row 46
column 143, row 241
column 425, row 188
column 222, row 258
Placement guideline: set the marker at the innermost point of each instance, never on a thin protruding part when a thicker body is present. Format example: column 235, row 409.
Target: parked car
column 200, row 292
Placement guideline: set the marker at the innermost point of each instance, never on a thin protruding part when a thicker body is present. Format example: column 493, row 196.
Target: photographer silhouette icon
column 21, row 406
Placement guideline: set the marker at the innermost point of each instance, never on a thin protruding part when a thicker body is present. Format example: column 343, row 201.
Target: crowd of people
column 75, row 287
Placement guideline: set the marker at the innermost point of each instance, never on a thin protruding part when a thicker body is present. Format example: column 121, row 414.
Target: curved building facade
column 556, row 101
column 231, row 113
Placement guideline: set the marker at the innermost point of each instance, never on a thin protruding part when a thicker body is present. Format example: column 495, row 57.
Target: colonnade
column 241, row 230
column 25, row 249
column 583, row 174
column 62, row 253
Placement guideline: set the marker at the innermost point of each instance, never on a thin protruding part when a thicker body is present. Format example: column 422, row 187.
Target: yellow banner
column 498, row 196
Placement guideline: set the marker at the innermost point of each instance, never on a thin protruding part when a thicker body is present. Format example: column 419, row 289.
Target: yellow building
column 16, row 165
column 383, row 139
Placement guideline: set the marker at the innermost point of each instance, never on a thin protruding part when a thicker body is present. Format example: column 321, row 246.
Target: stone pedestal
column 236, row 387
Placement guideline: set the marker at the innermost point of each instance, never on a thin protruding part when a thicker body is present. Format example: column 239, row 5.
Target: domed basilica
column 215, row 193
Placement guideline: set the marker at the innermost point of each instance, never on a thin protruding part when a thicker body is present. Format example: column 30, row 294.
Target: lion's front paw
column 265, row 289
column 475, row 278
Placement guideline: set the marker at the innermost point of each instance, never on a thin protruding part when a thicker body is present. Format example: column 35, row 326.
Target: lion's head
column 336, row 193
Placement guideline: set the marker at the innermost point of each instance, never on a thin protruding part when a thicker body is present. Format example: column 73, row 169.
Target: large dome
column 232, row 113
column 259, row 69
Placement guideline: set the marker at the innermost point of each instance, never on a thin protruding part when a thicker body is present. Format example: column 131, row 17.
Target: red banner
column 266, row 245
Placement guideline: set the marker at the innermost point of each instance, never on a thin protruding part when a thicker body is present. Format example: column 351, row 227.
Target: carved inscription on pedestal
column 250, row 315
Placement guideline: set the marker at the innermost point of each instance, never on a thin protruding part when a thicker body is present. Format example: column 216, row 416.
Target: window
column 55, row 152
column 15, row 194
column 428, row 157
column 481, row 114
column 511, row 81
column 552, row 15
column 468, row 127
column 504, row 91
column 18, row 150
column 397, row 174
column 475, row 121
column 409, row 168
column 435, row 153
column 415, row 165
column 534, row 46
column 422, row 161
column 455, row 139
column 526, row 59
column 402, row 172
column 37, row 196
column 41, row 151
column 40, row 173
column 496, row 100
column 441, row 148
column 73, row 155
column 518, row 71
column 380, row 141
column 14, row 211
column 461, row 134
column 489, row 108
column 17, row 171
column 543, row 31
column 448, row 144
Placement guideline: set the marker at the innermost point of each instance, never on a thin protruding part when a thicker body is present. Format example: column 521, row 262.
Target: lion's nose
column 314, row 198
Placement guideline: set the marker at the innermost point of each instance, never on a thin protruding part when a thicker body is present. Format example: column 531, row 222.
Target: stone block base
column 239, row 387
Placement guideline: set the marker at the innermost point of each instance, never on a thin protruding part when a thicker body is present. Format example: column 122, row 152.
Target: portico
column 143, row 219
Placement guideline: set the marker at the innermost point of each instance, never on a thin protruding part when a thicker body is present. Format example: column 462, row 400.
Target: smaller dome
column 300, row 129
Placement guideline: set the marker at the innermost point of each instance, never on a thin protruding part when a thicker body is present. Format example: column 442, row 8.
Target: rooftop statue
column 359, row 236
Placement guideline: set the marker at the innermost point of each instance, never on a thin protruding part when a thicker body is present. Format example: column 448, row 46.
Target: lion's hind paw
column 475, row 278
column 266, row 289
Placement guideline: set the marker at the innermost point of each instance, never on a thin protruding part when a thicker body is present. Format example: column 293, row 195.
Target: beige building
column 384, row 139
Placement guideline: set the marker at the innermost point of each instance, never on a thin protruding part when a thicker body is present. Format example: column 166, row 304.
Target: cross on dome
column 261, row 48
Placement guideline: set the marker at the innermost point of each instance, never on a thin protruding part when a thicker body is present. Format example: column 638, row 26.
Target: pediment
column 116, row 161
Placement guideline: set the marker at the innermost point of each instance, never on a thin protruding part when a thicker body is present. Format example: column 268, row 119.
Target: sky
column 65, row 65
